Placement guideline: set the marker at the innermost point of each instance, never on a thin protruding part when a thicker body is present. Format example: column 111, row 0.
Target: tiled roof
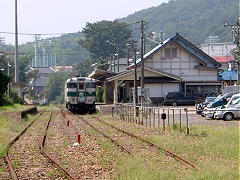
column 44, row 70
column 40, row 81
column 222, row 59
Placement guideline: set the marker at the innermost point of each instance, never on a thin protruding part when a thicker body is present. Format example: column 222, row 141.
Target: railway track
column 108, row 137
column 32, row 158
column 168, row 152
column 137, row 147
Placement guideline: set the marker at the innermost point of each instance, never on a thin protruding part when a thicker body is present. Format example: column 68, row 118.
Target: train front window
column 71, row 85
column 81, row 86
column 90, row 85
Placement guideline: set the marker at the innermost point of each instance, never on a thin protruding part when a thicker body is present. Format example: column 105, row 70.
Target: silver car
column 230, row 111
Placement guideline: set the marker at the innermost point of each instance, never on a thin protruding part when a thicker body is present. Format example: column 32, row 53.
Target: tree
column 104, row 37
column 4, row 79
column 23, row 68
column 84, row 68
column 55, row 86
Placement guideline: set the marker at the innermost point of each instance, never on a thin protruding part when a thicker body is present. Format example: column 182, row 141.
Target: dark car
column 201, row 105
column 180, row 98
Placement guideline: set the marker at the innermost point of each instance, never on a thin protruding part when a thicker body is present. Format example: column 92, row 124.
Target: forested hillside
column 66, row 48
column 193, row 19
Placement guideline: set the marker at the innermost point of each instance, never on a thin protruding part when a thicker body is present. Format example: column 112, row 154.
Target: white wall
column 182, row 66
column 218, row 49
column 159, row 90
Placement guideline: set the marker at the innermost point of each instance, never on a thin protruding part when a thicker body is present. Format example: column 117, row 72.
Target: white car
column 209, row 112
column 221, row 102
column 230, row 111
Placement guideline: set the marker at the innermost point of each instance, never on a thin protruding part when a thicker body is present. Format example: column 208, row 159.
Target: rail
column 170, row 153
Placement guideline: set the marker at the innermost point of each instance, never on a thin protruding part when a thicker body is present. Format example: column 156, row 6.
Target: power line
column 42, row 34
column 61, row 33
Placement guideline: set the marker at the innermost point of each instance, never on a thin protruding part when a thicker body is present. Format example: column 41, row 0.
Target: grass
column 136, row 169
column 4, row 126
column 107, row 145
column 16, row 163
column 14, row 108
column 10, row 128
column 51, row 107
column 213, row 149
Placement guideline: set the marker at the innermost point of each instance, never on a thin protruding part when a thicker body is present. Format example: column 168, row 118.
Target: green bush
column 5, row 101
column 99, row 94
column 14, row 98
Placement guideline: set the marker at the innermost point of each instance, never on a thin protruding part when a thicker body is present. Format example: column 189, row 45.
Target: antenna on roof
column 161, row 37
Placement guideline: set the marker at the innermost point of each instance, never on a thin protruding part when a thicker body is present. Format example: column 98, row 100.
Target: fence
column 165, row 118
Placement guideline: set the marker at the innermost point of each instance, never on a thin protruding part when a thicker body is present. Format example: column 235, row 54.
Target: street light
column 116, row 54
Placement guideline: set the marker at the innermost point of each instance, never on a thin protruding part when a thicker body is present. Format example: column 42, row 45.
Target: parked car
column 219, row 102
column 180, row 98
column 230, row 111
column 200, row 106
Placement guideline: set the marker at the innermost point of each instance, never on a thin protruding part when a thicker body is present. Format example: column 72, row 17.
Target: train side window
column 71, row 85
column 90, row 85
column 81, row 86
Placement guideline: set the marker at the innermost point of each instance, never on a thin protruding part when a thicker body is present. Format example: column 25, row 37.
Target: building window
column 170, row 53
column 174, row 52
column 167, row 53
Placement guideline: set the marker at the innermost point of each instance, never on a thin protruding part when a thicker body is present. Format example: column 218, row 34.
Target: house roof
column 101, row 74
column 192, row 49
column 157, row 71
column 44, row 70
column 228, row 75
column 223, row 59
column 39, row 82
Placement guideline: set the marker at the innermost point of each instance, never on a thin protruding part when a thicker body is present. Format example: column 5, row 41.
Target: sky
column 63, row 16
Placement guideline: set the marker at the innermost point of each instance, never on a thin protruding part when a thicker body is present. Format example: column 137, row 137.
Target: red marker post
column 79, row 138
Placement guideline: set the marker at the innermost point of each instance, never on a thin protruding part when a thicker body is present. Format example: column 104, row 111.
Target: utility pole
column 161, row 37
column 114, row 64
column 8, row 73
column 117, row 57
column 142, row 24
column 55, row 60
column 135, row 77
column 36, row 39
column 128, row 51
column 110, row 57
column 16, row 45
column 235, row 28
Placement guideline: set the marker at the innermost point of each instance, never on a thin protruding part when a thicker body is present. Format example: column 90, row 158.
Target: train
column 80, row 94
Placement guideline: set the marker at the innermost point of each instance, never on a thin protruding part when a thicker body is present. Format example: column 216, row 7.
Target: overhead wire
column 62, row 33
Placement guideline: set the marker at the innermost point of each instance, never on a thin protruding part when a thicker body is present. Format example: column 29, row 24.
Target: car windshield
column 210, row 99
column 235, row 101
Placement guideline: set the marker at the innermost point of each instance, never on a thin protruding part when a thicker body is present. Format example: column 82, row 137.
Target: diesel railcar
column 80, row 94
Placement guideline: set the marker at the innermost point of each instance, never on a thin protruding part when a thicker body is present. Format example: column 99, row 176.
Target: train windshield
column 81, row 86
column 71, row 85
column 90, row 85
